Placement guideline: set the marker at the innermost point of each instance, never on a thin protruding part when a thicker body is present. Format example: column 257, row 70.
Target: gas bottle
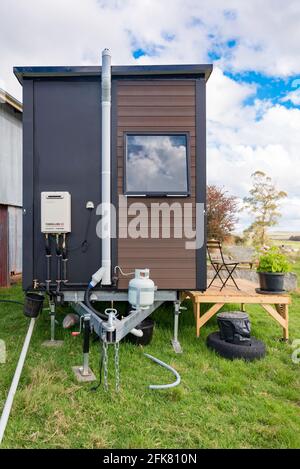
column 141, row 290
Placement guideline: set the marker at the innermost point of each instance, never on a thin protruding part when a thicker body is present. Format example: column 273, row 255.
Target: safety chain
column 117, row 366
column 105, row 365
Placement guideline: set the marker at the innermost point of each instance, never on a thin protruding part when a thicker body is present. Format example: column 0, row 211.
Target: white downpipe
column 13, row 388
column 106, row 170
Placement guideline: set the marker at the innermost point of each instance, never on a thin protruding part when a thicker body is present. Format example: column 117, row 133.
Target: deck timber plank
column 246, row 295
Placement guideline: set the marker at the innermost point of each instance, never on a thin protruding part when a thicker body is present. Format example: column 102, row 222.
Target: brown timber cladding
column 158, row 106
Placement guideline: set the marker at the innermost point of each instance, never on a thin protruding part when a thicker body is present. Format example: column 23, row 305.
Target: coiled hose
column 87, row 301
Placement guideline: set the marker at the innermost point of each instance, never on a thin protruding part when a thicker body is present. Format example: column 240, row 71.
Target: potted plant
column 272, row 267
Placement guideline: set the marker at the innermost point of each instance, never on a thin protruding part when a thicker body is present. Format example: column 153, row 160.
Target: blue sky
column 270, row 88
column 253, row 95
column 267, row 87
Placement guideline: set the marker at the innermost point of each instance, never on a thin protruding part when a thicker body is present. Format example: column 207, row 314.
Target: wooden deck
column 275, row 305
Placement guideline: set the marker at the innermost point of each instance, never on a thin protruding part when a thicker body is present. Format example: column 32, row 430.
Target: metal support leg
column 52, row 342
column 84, row 373
column 52, row 327
column 175, row 343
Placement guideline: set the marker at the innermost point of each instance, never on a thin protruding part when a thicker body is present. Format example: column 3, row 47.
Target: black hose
column 58, row 247
column 88, row 303
column 59, row 261
column 48, row 264
column 64, row 261
column 84, row 245
column 12, row 301
column 64, row 252
column 64, row 269
column 48, row 260
column 48, row 245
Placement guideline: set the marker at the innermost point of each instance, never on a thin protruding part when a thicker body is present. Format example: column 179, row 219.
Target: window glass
column 156, row 164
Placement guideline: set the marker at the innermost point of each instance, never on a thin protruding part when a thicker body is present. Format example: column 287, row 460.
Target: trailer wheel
column 251, row 352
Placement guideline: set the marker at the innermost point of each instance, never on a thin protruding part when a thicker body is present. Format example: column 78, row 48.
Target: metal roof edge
column 9, row 99
column 117, row 70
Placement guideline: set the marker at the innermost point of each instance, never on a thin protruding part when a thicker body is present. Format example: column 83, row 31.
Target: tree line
column 262, row 203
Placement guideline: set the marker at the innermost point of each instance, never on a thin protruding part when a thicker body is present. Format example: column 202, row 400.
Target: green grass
column 219, row 403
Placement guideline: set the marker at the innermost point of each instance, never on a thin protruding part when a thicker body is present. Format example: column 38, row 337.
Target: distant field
column 283, row 235
column 279, row 242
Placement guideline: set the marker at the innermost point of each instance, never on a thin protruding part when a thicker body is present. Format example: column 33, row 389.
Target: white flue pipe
column 106, row 170
column 13, row 388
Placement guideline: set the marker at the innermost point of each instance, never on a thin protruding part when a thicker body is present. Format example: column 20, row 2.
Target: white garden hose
column 168, row 367
column 12, row 391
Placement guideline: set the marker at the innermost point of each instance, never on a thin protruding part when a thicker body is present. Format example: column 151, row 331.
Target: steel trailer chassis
column 113, row 330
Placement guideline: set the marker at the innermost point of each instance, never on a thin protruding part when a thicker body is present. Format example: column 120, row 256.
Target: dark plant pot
column 147, row 327
column 33, row 304
column 270, row 281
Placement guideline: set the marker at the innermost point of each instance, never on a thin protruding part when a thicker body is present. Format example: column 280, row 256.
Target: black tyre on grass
column 255, row 351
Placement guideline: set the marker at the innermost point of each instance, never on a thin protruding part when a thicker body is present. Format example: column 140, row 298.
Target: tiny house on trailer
column 114, row 185
column 143, row 143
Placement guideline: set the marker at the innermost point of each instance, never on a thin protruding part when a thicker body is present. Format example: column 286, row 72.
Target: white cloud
column 239, row 143
column 293, row 96
column 56, row 32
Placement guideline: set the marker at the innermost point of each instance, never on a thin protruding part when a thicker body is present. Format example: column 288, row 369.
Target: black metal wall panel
column 27, row 251
column 67, row 157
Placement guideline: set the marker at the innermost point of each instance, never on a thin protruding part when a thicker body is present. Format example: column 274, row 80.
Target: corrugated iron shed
column 10, row 186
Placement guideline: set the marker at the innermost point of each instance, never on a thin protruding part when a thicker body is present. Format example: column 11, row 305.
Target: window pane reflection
column 156, row 163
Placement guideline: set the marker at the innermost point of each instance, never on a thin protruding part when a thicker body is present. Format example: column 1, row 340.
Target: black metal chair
column 222, row 264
